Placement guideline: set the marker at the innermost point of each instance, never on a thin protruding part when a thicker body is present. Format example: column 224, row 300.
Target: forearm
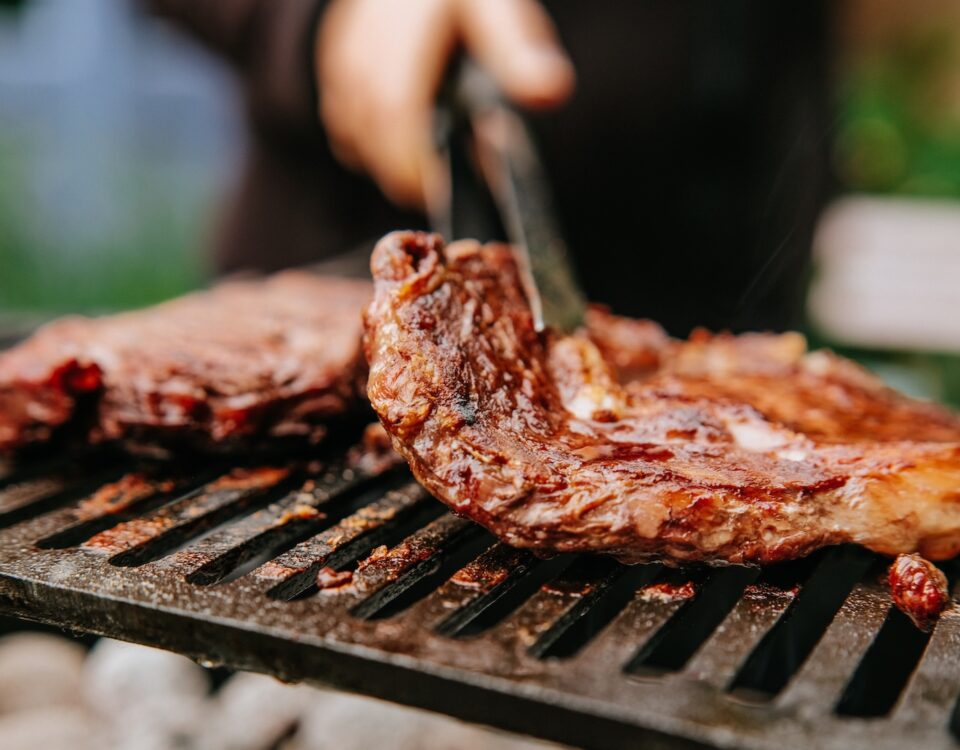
column 270, row 44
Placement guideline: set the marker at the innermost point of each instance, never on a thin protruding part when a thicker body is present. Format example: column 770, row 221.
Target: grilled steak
column 245, row 361
column 620, row 440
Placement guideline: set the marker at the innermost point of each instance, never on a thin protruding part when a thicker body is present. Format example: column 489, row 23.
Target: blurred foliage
column 899, row 134
column 900, row 117
column 159, row 256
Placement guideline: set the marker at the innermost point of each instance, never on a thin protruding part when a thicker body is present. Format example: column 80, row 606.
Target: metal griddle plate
column 575, row 649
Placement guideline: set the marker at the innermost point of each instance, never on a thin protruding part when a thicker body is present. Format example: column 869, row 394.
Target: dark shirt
column 688, row 168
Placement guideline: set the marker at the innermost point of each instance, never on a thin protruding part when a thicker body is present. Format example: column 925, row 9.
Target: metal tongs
column 498, row 190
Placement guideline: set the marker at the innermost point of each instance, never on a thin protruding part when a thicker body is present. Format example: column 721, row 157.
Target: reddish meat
column 245, row 361
column 726, row 449
column 919, row 589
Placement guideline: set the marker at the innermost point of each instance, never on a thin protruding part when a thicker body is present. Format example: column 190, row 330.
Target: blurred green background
column 118, row 138
column 898, row 101
column 897, row 93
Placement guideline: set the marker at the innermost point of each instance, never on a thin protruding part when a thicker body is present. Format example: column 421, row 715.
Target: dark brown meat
column 245, row 361
column 919, row 589
column 729, row 450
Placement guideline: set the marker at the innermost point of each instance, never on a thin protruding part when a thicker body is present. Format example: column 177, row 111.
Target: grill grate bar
column 603, row 597
column 160, row 532
column 650, row 609
column 493, row 606
column 113, row 503
column 783, row 650
column 474, row 587
column 423, row 607
column 295, row 571
column 426, row 556
column 883, row 671
column 23, row 500
column 237, row 547
column 818, row 684
column 546, row 607
column 679, row 638
column 751, row 618
column 934, row 689
column 20, row 494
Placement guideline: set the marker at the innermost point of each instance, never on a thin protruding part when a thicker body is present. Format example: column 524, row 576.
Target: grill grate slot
column 246, row 544
column 489, row 588
column 23, row 500
column 662, row 592
column 423, row 607
column 678, row 639
column 415, row 567
column 934, row 689
column 754, row 614
column 787, row 645
column 884, row 669
column 160, row 532
column 600, row 590
column 384, row 522
column 115, row 503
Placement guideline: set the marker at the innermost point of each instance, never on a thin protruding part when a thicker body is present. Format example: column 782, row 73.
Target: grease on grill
column 221, row 491
column 317, row 550
column 300, row 512
column 120, row 495
column 571, row 588
column 485, row 574
column 762, row 591
column 329, row 579
column 667, row 591
column 249, row 479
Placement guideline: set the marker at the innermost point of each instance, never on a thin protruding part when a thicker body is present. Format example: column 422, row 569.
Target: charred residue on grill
column 328, row 579
column 214, row 501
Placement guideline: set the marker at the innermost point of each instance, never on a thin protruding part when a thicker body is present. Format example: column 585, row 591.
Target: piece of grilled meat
column 619, row 440
column 246, row 361
column 919, row 589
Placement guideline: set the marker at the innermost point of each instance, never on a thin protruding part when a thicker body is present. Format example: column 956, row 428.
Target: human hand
column 380, row 64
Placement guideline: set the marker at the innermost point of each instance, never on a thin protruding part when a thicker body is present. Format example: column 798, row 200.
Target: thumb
column 516, row 42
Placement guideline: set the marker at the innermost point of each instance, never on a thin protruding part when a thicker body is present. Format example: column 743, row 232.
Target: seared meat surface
column 919, row 589
column 245, row 361
column 620, row 440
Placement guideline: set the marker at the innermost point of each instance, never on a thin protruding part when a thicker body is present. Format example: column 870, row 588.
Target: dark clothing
column 688, row 169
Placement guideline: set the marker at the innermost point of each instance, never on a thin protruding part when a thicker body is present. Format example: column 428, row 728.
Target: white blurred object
column 349, row 722
column 52, row 729
column 252, row 712
column 129, row 697
column 39, row 671
column 888, row 274
column 152, row 699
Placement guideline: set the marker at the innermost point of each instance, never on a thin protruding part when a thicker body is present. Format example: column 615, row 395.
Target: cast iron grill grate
column 325, row 573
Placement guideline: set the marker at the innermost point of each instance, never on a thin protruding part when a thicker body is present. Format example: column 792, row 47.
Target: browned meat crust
column 919, row 589
column 246, row 361
column 727, row 450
